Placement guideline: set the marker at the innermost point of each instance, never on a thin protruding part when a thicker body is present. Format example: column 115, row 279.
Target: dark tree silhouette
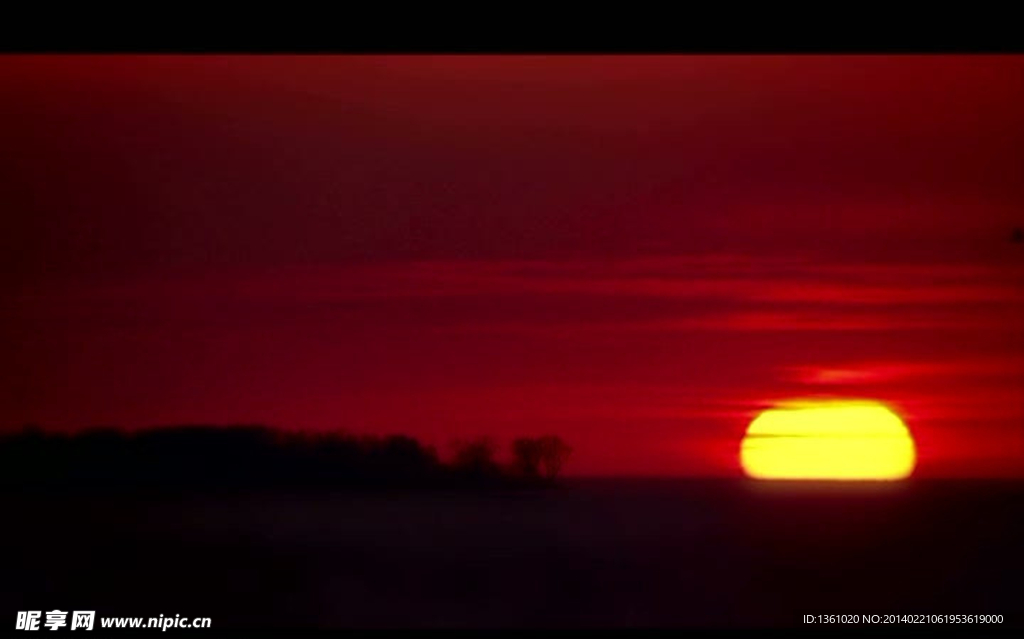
column 203, row 457
column 527, row 454
column 476, row 458
column 553, row 454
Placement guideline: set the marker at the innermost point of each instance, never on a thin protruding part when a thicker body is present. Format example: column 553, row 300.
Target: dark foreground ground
column 595, row 553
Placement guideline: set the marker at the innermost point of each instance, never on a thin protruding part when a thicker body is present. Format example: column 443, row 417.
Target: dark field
column 595, row 553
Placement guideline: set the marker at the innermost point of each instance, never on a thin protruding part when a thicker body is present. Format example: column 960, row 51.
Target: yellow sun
column 828, row 439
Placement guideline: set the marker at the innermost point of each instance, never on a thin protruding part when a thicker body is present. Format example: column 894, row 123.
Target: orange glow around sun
column 836, row 440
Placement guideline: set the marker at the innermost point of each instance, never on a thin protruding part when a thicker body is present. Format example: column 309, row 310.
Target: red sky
column 636, row 253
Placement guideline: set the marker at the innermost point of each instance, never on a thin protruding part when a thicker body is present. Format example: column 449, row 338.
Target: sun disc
column 832, row 440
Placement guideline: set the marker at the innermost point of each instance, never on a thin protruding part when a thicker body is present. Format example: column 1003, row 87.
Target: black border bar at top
column 496, row 28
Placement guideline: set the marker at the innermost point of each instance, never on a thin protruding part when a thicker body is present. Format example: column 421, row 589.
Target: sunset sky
column 638, row 253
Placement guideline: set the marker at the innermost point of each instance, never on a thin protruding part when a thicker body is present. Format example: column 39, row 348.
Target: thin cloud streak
column 876, row 371
column 779, row 294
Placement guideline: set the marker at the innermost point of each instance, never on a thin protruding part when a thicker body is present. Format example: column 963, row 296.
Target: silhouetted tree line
column 243, row 456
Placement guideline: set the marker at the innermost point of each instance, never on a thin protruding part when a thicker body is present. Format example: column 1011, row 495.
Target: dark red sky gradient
column 635, row 252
